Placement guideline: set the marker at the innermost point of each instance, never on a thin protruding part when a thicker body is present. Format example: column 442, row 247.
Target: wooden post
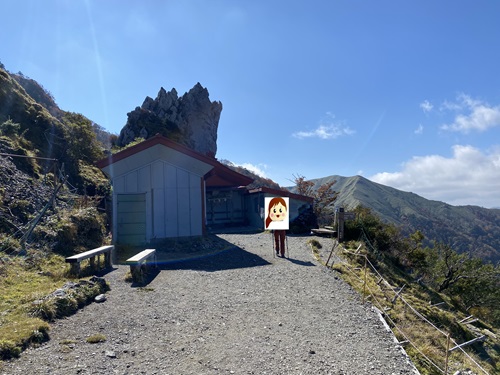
column 397, row 294
column 331, row 253
column 364, row 283
column 447, row 354
column 340, row 224
column 107, row 259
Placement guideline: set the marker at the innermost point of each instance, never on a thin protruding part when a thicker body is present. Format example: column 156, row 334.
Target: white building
column 162, row 189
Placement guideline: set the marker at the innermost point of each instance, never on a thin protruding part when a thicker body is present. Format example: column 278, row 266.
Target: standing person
column 279, row 241
column 277, row 220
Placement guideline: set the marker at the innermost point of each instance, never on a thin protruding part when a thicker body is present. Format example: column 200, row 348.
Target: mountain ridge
column 470, row 229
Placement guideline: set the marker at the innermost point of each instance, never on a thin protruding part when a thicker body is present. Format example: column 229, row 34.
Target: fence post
column 447, row 354
column 364, row 283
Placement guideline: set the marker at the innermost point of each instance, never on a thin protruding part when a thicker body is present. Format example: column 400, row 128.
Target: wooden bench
column 139, row 264
column 324, row 231
column 75, row 260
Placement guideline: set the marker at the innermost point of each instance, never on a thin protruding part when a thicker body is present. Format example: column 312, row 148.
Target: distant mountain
column 465, row 228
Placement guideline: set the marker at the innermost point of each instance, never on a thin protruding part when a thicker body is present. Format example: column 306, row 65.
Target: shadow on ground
column 301, row 262
column 208, row 253
column 232, row 258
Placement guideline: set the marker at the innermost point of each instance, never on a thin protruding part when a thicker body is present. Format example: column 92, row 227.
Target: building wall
column 174, row 198
column 225, row 207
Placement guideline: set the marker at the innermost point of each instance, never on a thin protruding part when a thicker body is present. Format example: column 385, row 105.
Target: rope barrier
column 398, row 294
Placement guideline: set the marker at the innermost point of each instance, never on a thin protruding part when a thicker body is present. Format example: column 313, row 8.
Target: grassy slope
column 25, row 310
column 409, row 324
column 22, row 281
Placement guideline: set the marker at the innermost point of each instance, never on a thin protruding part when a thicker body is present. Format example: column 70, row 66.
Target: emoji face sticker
column 276, row 213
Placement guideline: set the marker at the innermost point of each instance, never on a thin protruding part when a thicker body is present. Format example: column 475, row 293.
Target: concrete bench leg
column 133, row 267
column 107, row 260
column 137, row 272
column 75, row 269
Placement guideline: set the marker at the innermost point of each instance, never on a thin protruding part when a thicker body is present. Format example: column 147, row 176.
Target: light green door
column 131, row 219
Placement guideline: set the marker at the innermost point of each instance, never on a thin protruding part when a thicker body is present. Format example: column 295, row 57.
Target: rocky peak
column 191, row 120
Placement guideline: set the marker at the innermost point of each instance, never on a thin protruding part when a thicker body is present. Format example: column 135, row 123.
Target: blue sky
column 405, row 93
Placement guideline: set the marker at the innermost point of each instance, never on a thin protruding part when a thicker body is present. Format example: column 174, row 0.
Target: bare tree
column 324, row 196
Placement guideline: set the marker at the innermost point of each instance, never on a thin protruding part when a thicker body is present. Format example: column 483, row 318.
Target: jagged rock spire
column 191, row 120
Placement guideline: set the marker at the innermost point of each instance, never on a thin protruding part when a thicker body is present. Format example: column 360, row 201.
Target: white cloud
column 426, row 106
column 468, row 177
column 327, row 129
column 419, row 130
column 473, row 115
column 257, row 169
column 325, row 132
column 450, row 106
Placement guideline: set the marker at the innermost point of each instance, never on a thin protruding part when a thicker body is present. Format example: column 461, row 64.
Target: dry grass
column 96, row 338
column 427, row 341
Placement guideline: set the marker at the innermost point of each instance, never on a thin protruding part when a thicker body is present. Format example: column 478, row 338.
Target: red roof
column 219, row 176
column 282, row 193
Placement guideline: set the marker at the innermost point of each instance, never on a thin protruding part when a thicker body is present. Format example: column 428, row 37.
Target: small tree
column 10, row 128
column 82, row 141
column 324, row 196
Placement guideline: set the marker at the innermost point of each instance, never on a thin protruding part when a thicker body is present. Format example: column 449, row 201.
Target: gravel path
column 242, row 311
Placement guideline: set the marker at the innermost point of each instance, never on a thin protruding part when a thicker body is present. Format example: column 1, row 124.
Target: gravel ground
column 241, row 311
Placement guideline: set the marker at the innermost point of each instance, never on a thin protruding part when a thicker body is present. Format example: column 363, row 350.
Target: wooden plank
column 141, row 256
column 89, row 254
column 323, row 231
column 139, row 266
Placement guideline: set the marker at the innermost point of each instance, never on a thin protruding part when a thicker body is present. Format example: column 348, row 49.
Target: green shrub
column 87, row 293
column 76, row 231
column 9, row 349
column 9, row 128
column 39, row 336
column 43, row 309
column 66, row 306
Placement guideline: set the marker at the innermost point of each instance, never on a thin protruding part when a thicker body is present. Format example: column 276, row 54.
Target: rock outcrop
column 191, row 120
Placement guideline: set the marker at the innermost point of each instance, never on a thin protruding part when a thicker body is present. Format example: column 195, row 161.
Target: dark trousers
column 279, row 240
